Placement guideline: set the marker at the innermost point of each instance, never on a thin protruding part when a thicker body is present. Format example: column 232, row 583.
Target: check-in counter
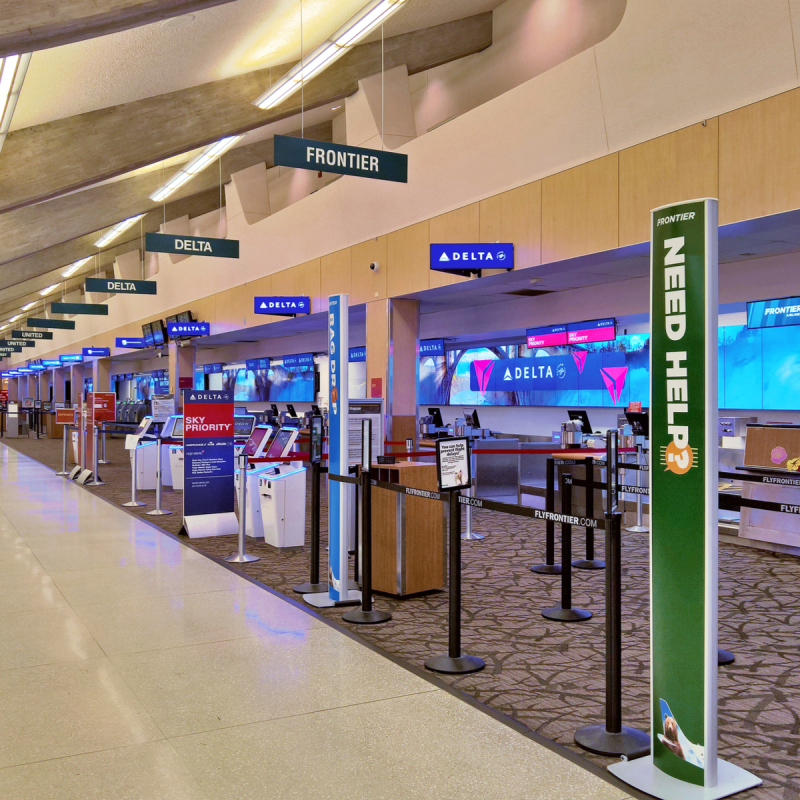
column 408, row 533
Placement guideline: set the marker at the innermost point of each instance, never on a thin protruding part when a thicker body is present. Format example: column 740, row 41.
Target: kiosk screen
column 253, row 445
column 279, row 444
column 243, row 426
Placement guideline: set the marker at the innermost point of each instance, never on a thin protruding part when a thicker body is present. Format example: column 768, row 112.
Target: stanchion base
column 237, row 559
column 472, row 537
column 133, row 504
column 558, row 614
column 462, row 665
column 629, row 742
column 311, row 588
column 324, row 600
column 637, row 529
column 594, row 563
column 103, row 463
column 359, row 617
column 546, row 569
column 725, row 657
column 158, row 512
column 62, row 473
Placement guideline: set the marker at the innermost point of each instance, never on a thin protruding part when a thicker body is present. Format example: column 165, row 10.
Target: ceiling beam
column 39, row 24
column 37, row 228
column 46, row 161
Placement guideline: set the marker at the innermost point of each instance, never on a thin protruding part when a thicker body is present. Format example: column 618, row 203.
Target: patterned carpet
column 550, row 676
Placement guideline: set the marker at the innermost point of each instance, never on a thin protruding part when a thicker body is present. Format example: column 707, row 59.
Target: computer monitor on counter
column 580, row 415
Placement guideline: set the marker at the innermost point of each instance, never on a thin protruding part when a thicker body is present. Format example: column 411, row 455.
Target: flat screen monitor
column 274, row 410
column 471, row 418
column 258, row 438
column 314, row 409
column 639, row 421
column 290, row 409
column 581, row 416
column 436, row 413
column 147, row 334
column 184, row 316
column 282, row 442
column 143, row 426
column 243, row 426
column 239, row 410
column 159, row 332
column 177, row 431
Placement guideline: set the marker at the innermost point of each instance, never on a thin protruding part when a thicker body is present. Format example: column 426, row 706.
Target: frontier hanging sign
column 684, row 508
column 191, row 245
column 381, row 165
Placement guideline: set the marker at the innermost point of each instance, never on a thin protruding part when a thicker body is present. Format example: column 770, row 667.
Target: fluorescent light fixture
column 14, row 319
column 372, row 15
column 29, row 306
column 74, row 267
column 197, row 164
column 12, row 76
column 50, row 288
column 109, row 237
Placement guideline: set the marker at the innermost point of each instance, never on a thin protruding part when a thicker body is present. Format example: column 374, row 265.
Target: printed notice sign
column 453, row 464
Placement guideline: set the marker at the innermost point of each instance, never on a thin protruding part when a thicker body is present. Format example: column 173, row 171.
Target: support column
column 59, row 378
column 76, row 378
column 181, row 365
column 13, row 389
column 101, row 374
column 44, row 385
column 392, row 363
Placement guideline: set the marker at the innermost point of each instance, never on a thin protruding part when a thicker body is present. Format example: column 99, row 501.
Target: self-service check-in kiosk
column 174, row 426
column 243, row 426
column 146, row 457
column 282, row 496
column 173, row 429
column 255, row 447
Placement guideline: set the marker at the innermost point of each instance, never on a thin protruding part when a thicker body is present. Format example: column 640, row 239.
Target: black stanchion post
column 565, row 612
column 455, row 662
column 590, row 562
column 613, row 738
column 314, row 586
column 366, row 615
column 549, row 567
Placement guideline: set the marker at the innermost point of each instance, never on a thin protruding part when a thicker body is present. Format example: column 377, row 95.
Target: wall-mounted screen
column 275, row 384
column 159, row 331
column 549, row 336
column 147, row 334
column 597, row 330
column 773, row 313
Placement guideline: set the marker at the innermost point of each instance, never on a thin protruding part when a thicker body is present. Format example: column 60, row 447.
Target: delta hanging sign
column 282, row 306
column 466, row 259
column 191, row 245
column 292, row 151
column 114, row 285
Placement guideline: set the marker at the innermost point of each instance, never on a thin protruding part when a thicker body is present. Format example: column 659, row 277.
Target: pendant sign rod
column 58, row 324
column 342, row 159
column 191, row 245
column 113, row 285
column 95, row 309
column 31, row 335
column 684, row 504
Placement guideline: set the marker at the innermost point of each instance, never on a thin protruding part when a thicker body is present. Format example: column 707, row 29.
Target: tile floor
column 134, row 668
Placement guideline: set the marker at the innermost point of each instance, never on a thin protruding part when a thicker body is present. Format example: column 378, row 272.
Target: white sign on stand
column 360, row 410
column 453, row 464
column 162, row 407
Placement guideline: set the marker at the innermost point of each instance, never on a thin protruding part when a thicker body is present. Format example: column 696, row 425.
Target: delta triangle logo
column 580, row 360
column 614, row 379
column 483, row 371
column 507, row 376
column 444, row 257
column 263, row 305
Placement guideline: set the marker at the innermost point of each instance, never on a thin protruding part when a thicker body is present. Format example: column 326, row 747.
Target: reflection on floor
column 134, row 668
column 551, row 677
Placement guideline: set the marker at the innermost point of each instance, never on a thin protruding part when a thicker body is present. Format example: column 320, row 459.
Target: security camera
column 374, row 266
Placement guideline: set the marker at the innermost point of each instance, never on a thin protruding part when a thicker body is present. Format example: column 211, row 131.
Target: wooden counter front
column 408, row 533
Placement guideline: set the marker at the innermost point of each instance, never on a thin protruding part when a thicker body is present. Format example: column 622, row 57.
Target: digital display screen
column 550, row 336
column 243, row 426
column 431, row 347
column 277, row 383
column 598, row 330
column 177, row 431
column 159, row 335
column 773, row 313
column 147, row 334
column 279, row 443
column 254, row 442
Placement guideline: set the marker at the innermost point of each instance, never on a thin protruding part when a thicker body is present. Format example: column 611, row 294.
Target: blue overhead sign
column 773, row 313
column 131, row 342
column 51, row 362
column 256, row 364
column 293, row 362
column 464, row 259
column 210, row 369
column 71, row 358
column 431, row 347
column 188, row 329
column 37, row 367
column 358, row 354
column 282, row 306
column 101, row 352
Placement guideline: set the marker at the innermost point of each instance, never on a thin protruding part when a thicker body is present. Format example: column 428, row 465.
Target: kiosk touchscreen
column 582, row 417
column 173, row 427
column 282, row 443
column 243, row 426
column 258, row 440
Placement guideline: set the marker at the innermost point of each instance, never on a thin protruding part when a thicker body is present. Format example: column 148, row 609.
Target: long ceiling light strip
column 119, row 228
column 369, row 18
column 74, row 267
column 197, row 164
column 12, row 76
column 51, row 288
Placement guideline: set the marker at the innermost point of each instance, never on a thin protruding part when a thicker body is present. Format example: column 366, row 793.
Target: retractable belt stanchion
column 241, row 557
column 95, row 480
column 565, row 612
column 158, row 511
column 455, row 662
column 366, row 615
column 64, row 470
column 103, row 460
column 469, row 535
column 133, row 502
column 549, row 567
column 613, row 738
column 590, row 562
column 639, row 527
